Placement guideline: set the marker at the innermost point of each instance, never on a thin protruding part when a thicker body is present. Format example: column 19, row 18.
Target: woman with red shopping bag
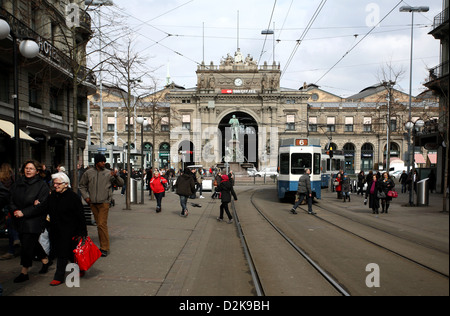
column 66, row 222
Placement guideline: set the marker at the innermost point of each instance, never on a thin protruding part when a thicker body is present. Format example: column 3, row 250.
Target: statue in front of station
column 234, row 122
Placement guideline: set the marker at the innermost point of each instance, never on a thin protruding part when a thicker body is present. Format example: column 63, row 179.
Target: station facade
column 194, row 125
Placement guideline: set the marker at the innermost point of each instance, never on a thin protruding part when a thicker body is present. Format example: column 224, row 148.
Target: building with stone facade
column 48, row 106
column 114, row 135
column 199, row 119
column 439, row 83
column 358, row 125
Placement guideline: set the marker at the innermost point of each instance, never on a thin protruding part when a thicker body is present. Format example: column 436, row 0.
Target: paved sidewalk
column 163, row 254
column 151, row 254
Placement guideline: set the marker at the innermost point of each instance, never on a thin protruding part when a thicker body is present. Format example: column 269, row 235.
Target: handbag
column 381, row 195
column 393, row 194
column 86, row 253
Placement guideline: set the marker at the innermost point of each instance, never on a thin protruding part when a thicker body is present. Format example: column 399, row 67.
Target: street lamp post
column 143, row 122
column 412, row 127
column 97, row 4
column 29, row 49
column 411, row 10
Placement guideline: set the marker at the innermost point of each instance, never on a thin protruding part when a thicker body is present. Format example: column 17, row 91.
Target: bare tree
column 126, row 69
column 71, row 35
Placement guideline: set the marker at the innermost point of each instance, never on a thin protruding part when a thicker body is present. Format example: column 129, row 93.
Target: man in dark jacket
column 185, row 187
column 304, row 192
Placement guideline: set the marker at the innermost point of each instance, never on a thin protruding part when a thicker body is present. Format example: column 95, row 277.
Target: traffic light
column 330, row 152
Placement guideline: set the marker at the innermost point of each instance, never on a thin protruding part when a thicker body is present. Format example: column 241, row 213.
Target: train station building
column 194, row 125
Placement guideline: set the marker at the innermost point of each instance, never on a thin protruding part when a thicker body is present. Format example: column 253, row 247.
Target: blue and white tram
column 331, row 166
column 294, row 157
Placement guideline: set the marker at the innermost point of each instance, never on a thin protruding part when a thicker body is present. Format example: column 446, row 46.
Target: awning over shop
column 419, row 158
column 8, row 128
column 433, row 158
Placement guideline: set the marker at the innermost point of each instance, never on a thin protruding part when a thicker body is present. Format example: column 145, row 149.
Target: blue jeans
column 183, row 203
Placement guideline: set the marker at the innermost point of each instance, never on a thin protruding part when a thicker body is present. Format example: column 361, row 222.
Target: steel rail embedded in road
column 255, row 277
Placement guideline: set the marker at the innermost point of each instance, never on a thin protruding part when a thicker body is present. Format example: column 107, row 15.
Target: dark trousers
column 303, row 196
column 158, row 197
column 30, row 247
column 224, row 207
column 61, row 264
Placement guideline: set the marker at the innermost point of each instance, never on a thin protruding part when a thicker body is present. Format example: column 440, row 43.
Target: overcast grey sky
column 171, row 31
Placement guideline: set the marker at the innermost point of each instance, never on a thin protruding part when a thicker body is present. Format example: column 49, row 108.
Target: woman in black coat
column 386, row 185
column 226, row 188
column 28, row 195
column 66, row 221
column 373, row 188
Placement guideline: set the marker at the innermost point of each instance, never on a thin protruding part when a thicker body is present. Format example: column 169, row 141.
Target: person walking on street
column 346, row 186
column 386, row 185
column 158, row 186
column 304, row 192
column 28, row 195
column 373, row 187
column 95, row 188
column 66, row 222
column 361, row 181
column 4, row 199
column 404, row 181
column 199, row 176
column 185, row 187
column 226, row 188
column 7, row 180
column 338, row 185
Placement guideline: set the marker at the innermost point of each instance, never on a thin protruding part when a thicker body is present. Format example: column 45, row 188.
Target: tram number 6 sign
column 301, row 142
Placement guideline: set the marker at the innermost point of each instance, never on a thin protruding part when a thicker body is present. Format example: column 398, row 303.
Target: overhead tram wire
column 354, row 46
column 305, row 32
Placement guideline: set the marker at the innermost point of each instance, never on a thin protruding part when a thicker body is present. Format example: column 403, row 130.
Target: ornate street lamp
column 29, row 49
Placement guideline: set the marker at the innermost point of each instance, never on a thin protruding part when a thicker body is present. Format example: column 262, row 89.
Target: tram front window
column 300, row 162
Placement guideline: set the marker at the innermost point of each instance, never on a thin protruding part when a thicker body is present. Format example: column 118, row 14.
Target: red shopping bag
column 86, row 253
column 393, row 194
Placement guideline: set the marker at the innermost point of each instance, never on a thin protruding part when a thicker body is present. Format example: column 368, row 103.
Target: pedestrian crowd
column 45, row 216
column 378, row 189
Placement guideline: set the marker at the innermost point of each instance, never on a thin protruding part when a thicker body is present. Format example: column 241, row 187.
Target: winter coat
column 157, row 184
column 226, row 188
column 96, row 185
column 387, row 186
column 338, row 187
column 346, row 185
column 304, row 185
column 185, row 185
column 4, row 196
column 24, row 192
column 66, row 221
column 374, row 201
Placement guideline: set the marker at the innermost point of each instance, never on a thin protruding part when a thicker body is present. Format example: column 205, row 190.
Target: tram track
column 316, row 263
column 259, row 287
column 379, row 244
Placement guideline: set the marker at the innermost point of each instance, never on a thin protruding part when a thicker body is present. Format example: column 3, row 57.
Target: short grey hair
column 61, row 176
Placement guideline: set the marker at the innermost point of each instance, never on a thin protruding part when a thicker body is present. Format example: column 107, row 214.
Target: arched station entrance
column 244, row 149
